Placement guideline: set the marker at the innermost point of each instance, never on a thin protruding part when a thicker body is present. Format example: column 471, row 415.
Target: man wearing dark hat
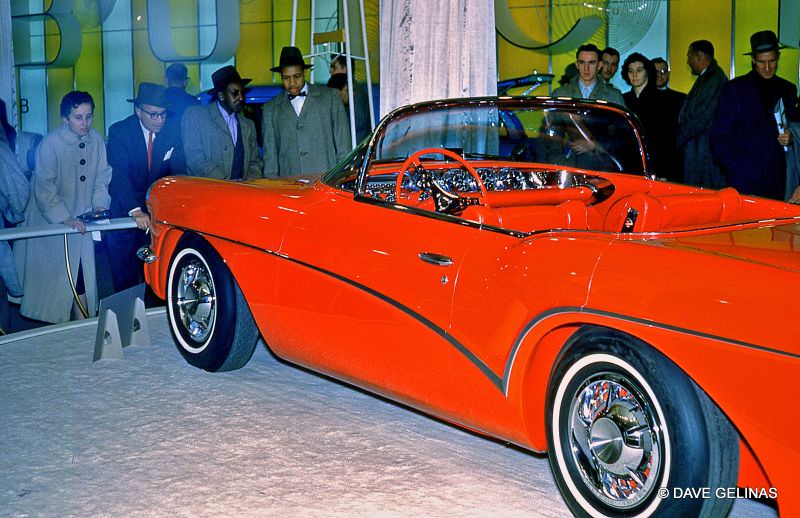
column 176, row 77
column 218, row 140
column 141, row 149
column 749, row 135
column 305, row 128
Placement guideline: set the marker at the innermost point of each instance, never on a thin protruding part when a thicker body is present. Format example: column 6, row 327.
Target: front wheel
column 207, row 312
column 629, row 432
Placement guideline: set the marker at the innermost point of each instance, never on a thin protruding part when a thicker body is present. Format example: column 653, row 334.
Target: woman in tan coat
column 71, row 177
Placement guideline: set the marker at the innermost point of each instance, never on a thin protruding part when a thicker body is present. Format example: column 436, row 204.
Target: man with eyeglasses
column 141, row 149
column 673, row 100
column 220, row 142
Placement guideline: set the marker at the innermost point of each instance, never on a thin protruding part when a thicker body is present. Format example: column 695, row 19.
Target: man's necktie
column 301, row 94
column 149, row 148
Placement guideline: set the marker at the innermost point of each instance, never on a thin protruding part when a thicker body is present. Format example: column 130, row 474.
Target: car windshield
column 592, row 137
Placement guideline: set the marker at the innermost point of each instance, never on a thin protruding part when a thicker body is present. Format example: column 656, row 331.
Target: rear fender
column 542, row 344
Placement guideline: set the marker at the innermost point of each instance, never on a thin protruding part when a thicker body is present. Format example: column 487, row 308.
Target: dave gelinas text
column 720, row 492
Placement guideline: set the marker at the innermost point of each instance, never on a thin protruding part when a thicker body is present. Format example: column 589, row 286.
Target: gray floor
column 149, row 435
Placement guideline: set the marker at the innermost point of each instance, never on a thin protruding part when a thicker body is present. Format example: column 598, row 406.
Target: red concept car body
column 509, row 266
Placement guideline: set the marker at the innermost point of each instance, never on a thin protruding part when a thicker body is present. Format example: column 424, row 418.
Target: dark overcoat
column 694, row 122
column 744, row 137
column 130, row 179
column 652, row 109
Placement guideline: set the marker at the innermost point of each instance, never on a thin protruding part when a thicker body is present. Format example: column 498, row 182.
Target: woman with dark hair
column 71, row 178
column 645, row 100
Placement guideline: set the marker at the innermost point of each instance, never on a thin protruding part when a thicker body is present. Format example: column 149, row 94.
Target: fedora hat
column 152, row 94
column 764, row 41
column 290, row 56
column 224, row 76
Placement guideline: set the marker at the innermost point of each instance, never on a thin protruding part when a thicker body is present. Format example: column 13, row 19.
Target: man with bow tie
column 305, row 128
column 141, row 149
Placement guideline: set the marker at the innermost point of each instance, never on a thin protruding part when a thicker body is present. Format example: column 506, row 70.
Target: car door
column 366, row 292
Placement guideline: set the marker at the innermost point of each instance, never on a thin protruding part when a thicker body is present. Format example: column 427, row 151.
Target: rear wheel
column 207, row 312
column 629, row 432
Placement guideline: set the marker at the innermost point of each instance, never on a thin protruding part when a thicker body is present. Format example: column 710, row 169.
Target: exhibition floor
column 151, row 436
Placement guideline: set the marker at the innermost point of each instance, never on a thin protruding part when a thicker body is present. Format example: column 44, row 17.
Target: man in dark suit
column 750, row 135
column 220, row 142
column 673, row 168
column 305, row 129
column 141, row 149
column 695, row 117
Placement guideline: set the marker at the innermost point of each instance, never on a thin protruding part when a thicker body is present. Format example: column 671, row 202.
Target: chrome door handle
column 437, row 259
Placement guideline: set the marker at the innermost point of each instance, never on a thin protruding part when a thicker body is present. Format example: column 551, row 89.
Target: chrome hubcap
column 615, row 440
column 196, row 300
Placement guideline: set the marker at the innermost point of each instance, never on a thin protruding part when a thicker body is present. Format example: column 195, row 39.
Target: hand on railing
column 77, row 224
column 142, row 220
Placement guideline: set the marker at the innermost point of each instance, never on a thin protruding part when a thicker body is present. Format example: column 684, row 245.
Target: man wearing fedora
column 305, row 128
column 141, row 149
column 219, row 141
column 749, row 134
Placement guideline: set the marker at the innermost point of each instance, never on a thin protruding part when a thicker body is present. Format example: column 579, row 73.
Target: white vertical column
column 435, row 49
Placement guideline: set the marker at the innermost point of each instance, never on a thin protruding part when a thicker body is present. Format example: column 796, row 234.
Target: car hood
column 776, row 245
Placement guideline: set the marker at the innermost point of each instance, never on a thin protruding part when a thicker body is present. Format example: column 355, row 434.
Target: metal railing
column 57, row 229
column 60, row 229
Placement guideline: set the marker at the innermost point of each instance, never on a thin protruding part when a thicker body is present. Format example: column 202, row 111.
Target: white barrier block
column 140, row 333
column 107, row 344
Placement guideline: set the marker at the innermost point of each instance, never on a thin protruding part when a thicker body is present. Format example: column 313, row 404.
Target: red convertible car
column 510, row 266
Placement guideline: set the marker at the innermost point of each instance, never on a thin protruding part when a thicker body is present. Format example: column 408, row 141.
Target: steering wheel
column 414, row 160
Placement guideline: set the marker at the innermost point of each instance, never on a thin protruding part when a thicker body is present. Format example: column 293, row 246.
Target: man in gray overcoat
column 218, row 141
column 305, row 128
column 696, row 115
column 71, row 178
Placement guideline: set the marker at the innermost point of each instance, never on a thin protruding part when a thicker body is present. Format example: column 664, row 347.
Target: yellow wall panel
column 89, row 74
column 253, row 58
column 255, row 11
column 690, row 21
column 145, row 65
column 513, row 61
column 59, row 82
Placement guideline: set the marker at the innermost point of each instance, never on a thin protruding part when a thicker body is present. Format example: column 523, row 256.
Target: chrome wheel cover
column 615, row 440
column 195, row 300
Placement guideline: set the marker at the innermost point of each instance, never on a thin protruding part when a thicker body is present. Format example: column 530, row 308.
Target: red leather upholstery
column 674, row 211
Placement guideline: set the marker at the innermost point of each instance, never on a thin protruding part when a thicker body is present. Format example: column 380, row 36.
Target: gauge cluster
column 459, row 180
